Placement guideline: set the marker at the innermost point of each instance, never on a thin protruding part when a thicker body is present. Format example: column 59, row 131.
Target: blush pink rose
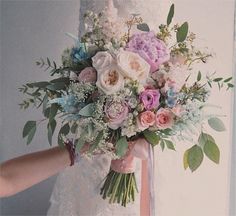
column 116, row 113
column 164, row 118
column 88, row 75
column 145, row 120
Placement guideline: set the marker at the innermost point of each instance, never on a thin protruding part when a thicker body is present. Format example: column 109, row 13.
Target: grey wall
column 29, row 30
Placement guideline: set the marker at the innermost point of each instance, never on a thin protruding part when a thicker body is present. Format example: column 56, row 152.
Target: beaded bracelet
column 74, row 156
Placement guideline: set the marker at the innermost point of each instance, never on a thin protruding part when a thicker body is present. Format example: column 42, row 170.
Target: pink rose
column 145, row 120
column 88, row 75
column 164, row 118
column 116, row 112
column 177, row 110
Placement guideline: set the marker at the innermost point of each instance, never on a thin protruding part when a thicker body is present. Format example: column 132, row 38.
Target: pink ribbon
column 140, row 149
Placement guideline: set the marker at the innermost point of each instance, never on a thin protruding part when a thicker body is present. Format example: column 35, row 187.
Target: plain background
column 33, row 29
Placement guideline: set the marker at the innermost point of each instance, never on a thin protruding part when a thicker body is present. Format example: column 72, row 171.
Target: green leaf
column 88, row 110
column 162, row 145
column 51, row 128
column 195, row 157
column 217, row 79
column 216, row 124
column 228, row 79
column 29, row 125
column 185, row 159
column 199, row 76
column 39, row 84
column 203, row 138
column 65, row 80
column 169, row 144
column 151, row 137
column 212, row 151
column 182, row 32
column 143, row 27
column 121, row 146
column 53, row 111
column 56, row 86
column 65, row 129
column 230, row 85
column 45, row 101
column 170, row 14
column 31, row 135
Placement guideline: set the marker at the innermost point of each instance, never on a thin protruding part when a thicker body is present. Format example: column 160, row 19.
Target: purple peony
column 149, row 47
column 150, row 98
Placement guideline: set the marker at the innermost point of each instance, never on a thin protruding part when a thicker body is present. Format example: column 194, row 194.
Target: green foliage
column 143, row 27
column 182, row 32
column 199, row 76
column 121, row 146
column 170, row 14
column 88, row 110
column 194, row 157
column 151, row 137
column 185, row 159
column 216, row 124
column 65, row 129
column 212, row 151
column 96, row 141
column 29, row 131
column 51, row 128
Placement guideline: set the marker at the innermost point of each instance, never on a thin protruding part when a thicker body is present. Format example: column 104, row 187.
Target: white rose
column 102, row 60
column 110, row 80
column 133, row 66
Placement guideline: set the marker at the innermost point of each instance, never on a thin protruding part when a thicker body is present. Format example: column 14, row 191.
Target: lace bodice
column 76, row 191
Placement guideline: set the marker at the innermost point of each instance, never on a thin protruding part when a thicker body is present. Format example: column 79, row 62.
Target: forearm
column 23, row 172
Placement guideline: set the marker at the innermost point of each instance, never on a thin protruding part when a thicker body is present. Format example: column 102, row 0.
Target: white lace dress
column 76, row 191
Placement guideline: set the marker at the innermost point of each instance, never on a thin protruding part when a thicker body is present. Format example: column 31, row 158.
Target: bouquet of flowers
column 123, row 87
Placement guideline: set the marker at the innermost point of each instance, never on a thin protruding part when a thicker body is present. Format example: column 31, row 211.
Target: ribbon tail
column 151, row 180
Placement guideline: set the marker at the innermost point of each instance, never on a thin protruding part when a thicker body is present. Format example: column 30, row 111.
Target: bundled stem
column 119, row 188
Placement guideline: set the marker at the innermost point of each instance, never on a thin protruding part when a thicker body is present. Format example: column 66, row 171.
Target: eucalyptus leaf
column 169, row 144
column 31, row 135
column 195, row 157
column 170, row 14
column 151, row 137
column 185, row 159
column 199, row 76
column 88, row 110
column 40, row 84
column 143, row 27
column 51, row 128
column 65, row 80
column 182, row 32
column 228, row 79
column 216, row 124
column 162, row 145
column 29, row 125
column 56, row 86
column 218, row 79
column 212, row 151
column 203, row 138
column 121, row 146
column 53, row 111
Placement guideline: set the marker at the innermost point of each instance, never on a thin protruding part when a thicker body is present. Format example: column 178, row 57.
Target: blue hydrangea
column 171, row 97
column 79, row 53
column 69, row 103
